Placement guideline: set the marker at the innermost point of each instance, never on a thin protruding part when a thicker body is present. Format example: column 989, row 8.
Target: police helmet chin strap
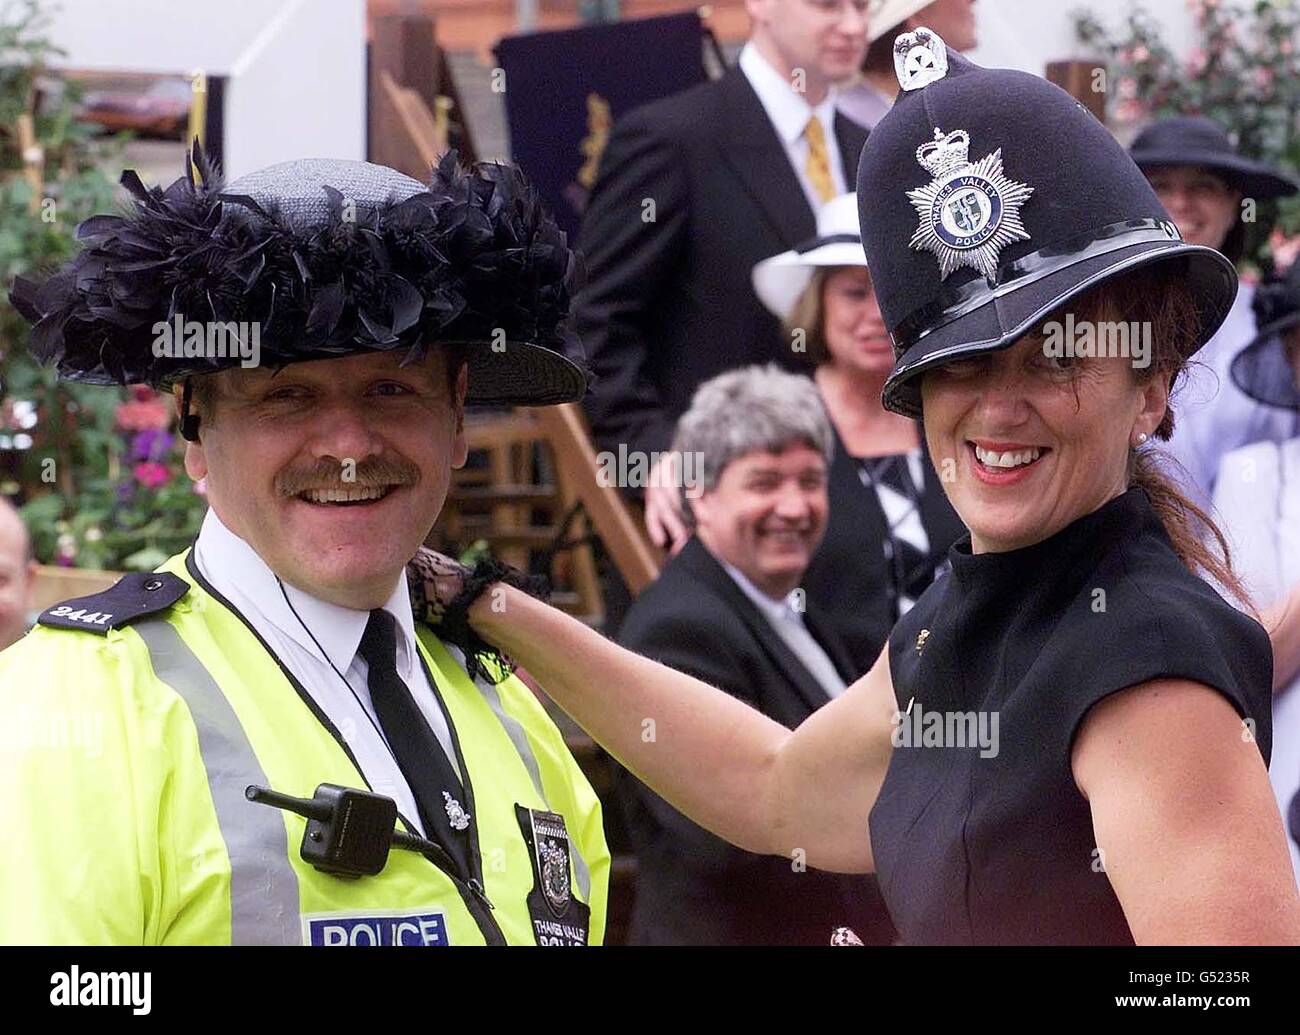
column 189, row 421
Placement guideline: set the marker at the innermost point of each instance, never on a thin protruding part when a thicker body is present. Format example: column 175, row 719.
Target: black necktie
column 430, row 775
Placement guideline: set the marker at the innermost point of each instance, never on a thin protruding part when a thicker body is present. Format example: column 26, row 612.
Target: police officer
column 1065, row 739
column 322, row 325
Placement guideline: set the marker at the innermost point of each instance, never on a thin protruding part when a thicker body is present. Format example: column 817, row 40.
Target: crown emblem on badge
column 969, row 211
column 941, row 156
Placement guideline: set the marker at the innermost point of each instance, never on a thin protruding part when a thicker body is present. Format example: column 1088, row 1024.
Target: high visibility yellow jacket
column 129, row 732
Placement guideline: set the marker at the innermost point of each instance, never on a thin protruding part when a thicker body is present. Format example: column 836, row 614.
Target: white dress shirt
column 282, row 615
column 789, row 113
column 786, row 620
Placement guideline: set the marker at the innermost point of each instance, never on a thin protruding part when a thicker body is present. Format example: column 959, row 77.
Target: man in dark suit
column 693, row 191
column 727, row 609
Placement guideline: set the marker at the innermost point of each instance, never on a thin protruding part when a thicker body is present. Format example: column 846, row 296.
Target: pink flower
column 151, row 474
column 1196, row 61
column 1141, row 53
column 1285, row 46
column 66, row 553
column 1264, row 78
column 1130, row 111
column 146, row 410
column 1128, row 89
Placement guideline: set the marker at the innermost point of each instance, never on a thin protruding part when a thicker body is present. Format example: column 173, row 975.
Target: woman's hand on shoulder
column 1186, row 823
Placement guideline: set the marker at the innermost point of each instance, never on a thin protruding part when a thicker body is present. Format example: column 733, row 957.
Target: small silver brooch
column 921, row 637
column 456, row 815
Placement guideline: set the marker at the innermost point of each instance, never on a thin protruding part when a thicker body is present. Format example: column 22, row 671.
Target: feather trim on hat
column 475, row 258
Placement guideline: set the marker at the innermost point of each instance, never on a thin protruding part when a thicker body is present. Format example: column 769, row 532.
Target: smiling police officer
column 282, row 651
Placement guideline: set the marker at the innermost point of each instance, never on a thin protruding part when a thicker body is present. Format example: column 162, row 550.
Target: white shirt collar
column 239, row 574
column 786, row 109
column 783, row 610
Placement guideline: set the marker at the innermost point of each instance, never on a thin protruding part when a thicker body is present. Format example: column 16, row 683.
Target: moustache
column 372, row 472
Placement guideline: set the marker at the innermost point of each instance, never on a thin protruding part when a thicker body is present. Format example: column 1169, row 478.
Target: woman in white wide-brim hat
column 866, row 101
column 890, row 524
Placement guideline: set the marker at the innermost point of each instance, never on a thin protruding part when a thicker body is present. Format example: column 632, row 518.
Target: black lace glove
column 442, row 590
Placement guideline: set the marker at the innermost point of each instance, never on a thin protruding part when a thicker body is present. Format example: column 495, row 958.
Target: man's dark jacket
column 694, row 888
column 693, row 191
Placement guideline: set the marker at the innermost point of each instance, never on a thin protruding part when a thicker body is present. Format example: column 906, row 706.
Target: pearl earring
column 1142, row 437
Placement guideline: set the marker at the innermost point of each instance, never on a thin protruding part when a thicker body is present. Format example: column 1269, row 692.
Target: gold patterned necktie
column 818, row 166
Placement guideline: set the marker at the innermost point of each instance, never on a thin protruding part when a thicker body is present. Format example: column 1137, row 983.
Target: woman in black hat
column 1202, row 180
column 1066, row 739
column 1257, row 497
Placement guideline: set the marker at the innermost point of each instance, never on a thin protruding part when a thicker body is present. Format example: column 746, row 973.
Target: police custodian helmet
column 988, row 198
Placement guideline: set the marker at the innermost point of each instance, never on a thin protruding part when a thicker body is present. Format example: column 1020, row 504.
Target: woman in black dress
column 1065, row 740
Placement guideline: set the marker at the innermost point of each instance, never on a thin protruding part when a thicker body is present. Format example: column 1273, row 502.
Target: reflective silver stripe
column 519, row 738
column 263, row 887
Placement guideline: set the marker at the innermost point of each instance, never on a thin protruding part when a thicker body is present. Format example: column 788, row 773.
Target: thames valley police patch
column 559, row 917
column 969, row 212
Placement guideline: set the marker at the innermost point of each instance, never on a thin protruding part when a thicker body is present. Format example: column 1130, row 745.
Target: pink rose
column 1130, row 111
column 146, row 410
column 151, row 474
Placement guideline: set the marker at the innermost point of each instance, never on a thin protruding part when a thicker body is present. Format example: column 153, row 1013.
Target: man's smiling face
column 333, row 470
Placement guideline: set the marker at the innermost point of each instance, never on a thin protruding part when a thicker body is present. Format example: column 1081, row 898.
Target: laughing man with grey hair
column 727, row 609
column 753, row 408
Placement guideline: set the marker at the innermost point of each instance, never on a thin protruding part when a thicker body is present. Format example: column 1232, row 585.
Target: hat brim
column 1262, row 369
column 522, row 374
column 893, row 17
column 1253, row 179
column 1000, row 322
column 779, row 281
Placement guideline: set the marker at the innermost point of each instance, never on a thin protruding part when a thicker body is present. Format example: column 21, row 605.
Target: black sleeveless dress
column 992, row 843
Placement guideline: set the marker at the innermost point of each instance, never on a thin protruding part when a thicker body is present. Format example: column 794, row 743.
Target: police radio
column 349, row 832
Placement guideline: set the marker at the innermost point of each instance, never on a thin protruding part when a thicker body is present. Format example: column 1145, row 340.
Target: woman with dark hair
column 1066, row 739
column 867, row 100
column 889, row 523
column 1203, row 181
column 1257, row 496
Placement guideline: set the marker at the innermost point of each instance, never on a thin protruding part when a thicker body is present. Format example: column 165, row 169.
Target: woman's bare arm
column 734, row 771
column 1282, row 621
column 1185, row 819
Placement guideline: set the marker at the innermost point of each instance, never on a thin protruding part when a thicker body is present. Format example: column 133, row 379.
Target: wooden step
column 487, row 495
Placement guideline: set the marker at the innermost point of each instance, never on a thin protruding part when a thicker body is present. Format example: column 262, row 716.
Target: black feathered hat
column 328, row 258
column 987, row 199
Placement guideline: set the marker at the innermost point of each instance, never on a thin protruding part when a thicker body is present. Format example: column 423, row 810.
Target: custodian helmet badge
column 969, row 212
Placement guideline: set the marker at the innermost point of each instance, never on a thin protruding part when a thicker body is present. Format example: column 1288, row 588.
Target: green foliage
column 1244, row 72
column 85, row 498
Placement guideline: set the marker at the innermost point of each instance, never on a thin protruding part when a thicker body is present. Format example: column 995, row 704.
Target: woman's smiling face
column 1026, row 443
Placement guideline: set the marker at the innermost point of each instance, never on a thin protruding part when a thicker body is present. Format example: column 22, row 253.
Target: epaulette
column 131, row 598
